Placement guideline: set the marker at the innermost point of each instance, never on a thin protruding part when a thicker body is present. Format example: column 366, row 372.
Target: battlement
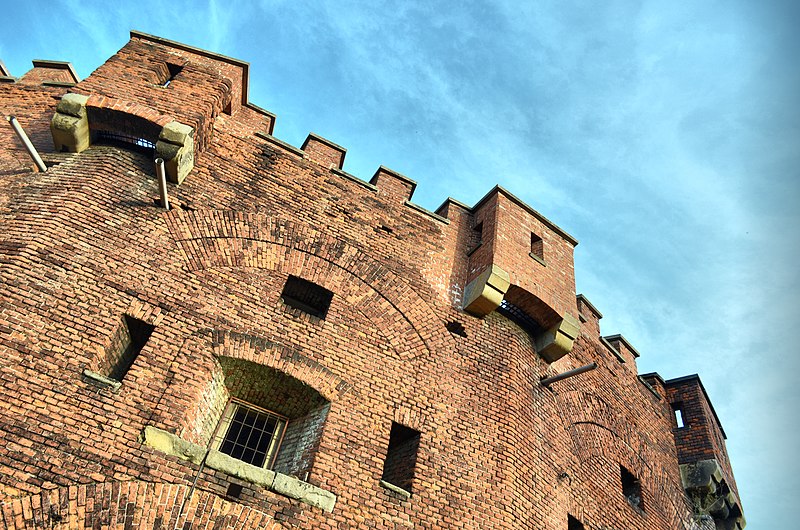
column 401, row 362
column 700, row 440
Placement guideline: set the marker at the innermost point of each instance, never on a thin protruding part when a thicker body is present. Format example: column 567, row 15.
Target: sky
column 664, row 136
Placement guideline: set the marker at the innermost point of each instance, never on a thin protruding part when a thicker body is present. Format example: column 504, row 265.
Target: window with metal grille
column 126, row 140
column 250, row 434
column 306, row 296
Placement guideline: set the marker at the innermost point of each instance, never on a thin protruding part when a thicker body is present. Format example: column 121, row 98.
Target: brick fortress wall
column 85, row 249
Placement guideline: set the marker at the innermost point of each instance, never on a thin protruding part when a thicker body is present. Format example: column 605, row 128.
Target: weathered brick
column 84, row 244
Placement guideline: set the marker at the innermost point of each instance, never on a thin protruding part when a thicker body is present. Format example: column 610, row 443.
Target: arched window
column 263, row 416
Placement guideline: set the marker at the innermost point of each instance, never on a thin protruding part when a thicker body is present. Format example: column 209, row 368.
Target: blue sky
column 665, row 136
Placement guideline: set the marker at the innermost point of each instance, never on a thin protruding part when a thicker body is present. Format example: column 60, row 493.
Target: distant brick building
column 290, row 346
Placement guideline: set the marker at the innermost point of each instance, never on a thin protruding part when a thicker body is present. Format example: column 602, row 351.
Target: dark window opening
column 456, row 328
column 401, row 457
column 250, row 434
column 227, row 110
column 631, row 488
column 537, row 248
column 476, row 239
column 574, row 524
column 520, row 318
column 306, row 296
column 129, row 340
column 677, row 408
column 125, row 140
column 234, row 491
column 173, row 71
column 384, row 228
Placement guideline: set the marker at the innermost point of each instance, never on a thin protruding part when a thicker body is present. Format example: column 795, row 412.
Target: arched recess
column 132, row 504
column 601, row 438
column 214, row 238
column 543, row 314
column 80, row 120
column 200, row 382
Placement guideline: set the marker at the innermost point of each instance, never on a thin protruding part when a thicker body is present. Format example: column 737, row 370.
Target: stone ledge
column 279, row 483
column 396, row 489
column 101, row 380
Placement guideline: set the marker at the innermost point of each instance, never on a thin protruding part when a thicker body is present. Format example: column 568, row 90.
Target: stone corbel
column 70, row 124
column 484, row 294
column 176, row 146
column 705, row 485
column 557, row 341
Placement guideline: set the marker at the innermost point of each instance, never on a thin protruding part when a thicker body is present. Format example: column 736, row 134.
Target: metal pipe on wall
column 162, row 183
column 27, row 143
column 569, row 373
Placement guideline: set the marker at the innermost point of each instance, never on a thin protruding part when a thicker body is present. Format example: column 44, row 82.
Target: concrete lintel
column 396, row 489
column 557, row 341
column 101, row 380
column 485, row 293
column 279, row 483
column 227, row 464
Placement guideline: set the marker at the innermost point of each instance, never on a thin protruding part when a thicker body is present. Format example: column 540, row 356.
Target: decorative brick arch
column 273, row 354
column 131, row 504
column 222, row 238
column 106, row 113
column 183, row 409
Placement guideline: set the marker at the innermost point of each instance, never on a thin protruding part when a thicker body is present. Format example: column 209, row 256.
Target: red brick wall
column 702, row 437
column 83, row 244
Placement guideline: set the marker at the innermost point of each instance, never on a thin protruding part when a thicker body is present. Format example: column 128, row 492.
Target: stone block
column 70, row 124
column 557, row 341
column 176, row 146
column 237, row 468
column 484, row 294
column 303, row 491
column 73, row 105
column 173, row 445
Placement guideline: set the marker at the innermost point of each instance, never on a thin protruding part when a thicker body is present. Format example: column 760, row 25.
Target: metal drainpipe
column 547, row 381
column 27, row 143
column 162, row 183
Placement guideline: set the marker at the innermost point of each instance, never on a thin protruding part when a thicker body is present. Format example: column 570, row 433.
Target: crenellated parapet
column 156, row 94
column 522, row 260
column 700, row 441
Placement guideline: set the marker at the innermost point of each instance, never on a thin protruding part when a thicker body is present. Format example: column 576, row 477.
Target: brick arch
column 183, row 408
column 112, row 114
column 130, row 504
column 532, row 305
column 667, row 500
column 270, row 352
column 223, row 238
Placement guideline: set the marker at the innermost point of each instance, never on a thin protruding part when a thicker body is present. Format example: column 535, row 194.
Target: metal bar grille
column 127, row 139
column 251, row 435
column 519, row 317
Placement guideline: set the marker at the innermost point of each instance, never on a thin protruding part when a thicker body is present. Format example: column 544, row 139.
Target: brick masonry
column 84, row 244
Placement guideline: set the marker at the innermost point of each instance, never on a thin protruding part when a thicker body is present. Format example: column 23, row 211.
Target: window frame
column 224, row 425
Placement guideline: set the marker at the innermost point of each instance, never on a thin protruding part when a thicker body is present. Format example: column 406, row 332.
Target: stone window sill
column 101, row 380
column 537, row 258
column 275, row 482
column 396, row 489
